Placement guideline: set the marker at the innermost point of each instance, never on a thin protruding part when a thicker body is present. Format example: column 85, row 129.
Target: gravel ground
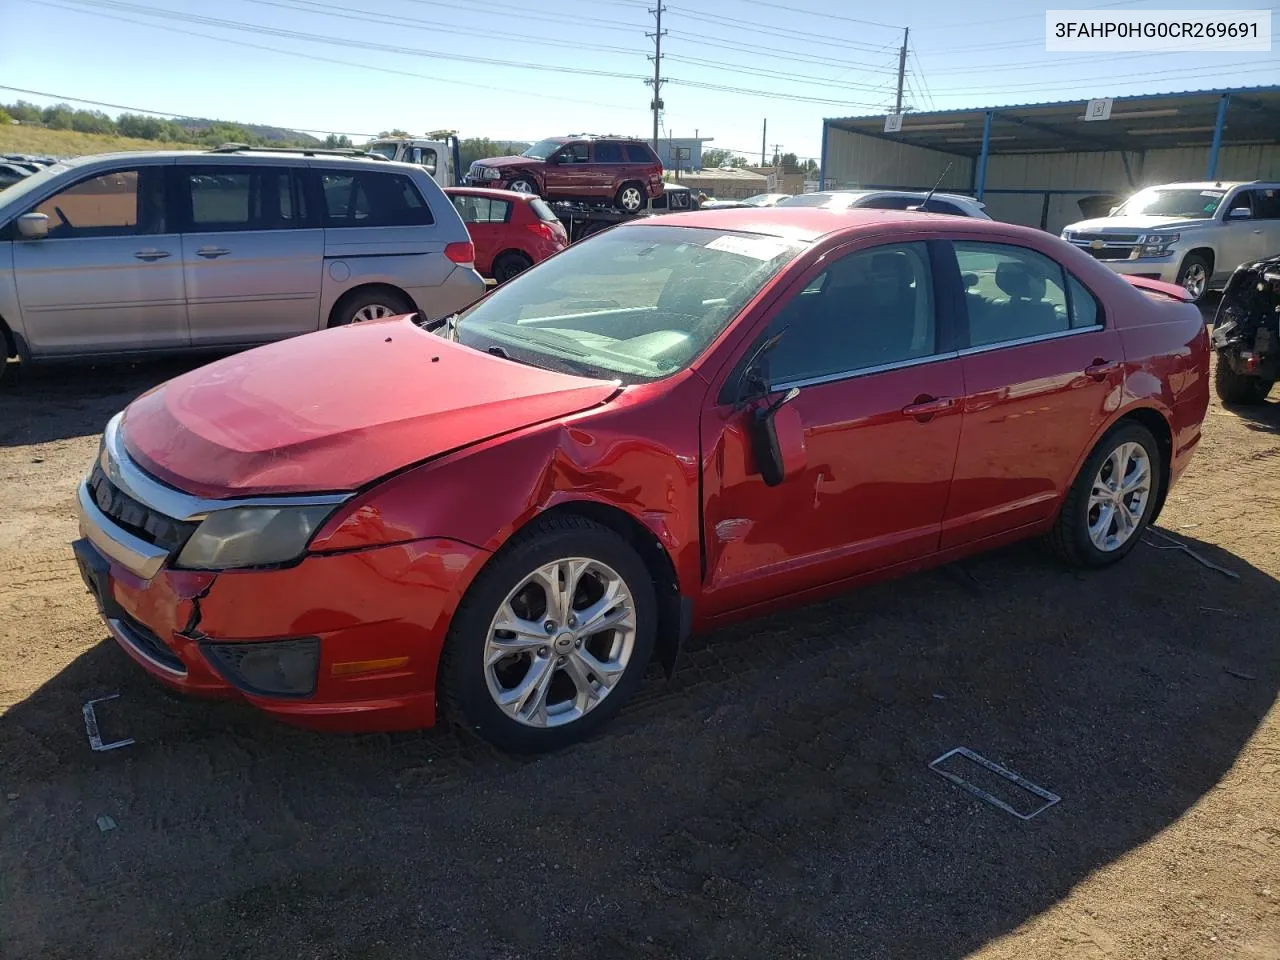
column 773, row 800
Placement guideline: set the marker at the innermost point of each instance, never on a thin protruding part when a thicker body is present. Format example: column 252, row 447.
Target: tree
column 397, row 132
column 5, row 117
column 441, row 134
column 722, row 158
column 24, row 112
column 337, row 142
column 92, row 121
column 811, row 167
column 57, row 118
column 789, row 163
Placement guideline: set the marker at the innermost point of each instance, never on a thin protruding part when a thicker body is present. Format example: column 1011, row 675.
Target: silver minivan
column 127, row 254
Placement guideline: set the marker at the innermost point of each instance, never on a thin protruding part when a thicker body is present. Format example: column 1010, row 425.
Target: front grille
column 1111, row 239
column 150, row 644
column 137, row 518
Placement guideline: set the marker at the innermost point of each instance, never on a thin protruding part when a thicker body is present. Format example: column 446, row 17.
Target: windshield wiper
column 431, row 326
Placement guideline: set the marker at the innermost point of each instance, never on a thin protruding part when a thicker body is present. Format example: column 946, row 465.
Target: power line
column 753, row 26
column 573, row 20
column 1028, row 16
column 771, row 94
column 772, row 53
column 777, row 74
column 824, row 14
column 1074, row 61
column 1053, row 84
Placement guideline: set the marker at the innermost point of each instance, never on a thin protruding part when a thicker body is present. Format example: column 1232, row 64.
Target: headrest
column 1014, row 279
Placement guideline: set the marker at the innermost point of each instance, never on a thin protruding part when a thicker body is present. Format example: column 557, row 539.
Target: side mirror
column 771, row 449
column 33, row 226
column 1239, row 213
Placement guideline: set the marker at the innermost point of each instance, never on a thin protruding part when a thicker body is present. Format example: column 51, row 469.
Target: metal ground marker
column 1049, row 798
column 91, row 727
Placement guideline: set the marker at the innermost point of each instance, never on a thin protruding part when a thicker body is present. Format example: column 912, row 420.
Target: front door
column 568, row 172
column 108, row 277
column 879, row 404
column 1042, row 367
column 251, row 253
column 1243, row 237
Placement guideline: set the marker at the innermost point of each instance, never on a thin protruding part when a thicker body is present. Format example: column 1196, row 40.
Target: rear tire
column 1238, row 388
column 630, row 197
column 509, row 265
column 1110, row 504
column 556, row 686
column 1194, row 276
column 376, row 303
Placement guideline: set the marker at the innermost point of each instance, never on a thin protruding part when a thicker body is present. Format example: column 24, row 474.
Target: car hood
column 1130, row 224
column 334, row 410
column 510, row 162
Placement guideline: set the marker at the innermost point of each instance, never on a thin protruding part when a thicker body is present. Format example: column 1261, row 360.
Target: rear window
column 542, row 211
column 366, row 199
column 638, row 153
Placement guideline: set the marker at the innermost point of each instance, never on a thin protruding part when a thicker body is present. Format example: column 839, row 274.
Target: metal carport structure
column 1044, row 165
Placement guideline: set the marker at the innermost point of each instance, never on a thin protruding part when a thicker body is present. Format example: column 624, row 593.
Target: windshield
column 1188, row 203
column 387, row 150
column 633, row 303
column 544, row 149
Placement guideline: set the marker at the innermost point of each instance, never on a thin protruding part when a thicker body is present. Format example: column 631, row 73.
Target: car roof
column 1201, row 185
column 230, row 157
column 810, row 223
column 508, row 195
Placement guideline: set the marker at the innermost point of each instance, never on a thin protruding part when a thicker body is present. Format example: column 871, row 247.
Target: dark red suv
column 619, row 169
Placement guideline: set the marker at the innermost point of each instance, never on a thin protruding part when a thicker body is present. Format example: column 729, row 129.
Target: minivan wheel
column 1110, row 504
column 552, row 638
column 630, row 197
column 376, row 304
column 523, row 185
column 1240, row 388
column 509, row 264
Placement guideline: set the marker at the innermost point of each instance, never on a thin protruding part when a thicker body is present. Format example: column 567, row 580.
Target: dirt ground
column 773, row 800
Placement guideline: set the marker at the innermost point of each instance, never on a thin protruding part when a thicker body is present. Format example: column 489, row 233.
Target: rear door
column 1042, row 367
column 608, row 168
column 252, row 252
column 487, row 222
column 108, row 277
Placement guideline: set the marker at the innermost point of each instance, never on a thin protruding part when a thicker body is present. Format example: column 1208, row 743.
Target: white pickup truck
column 440, row 158
column 1191, row 234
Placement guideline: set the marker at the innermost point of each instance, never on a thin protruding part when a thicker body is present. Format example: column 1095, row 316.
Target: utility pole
column 657, row 36
column 902, row 68
column 777, row 152
column 764, row 139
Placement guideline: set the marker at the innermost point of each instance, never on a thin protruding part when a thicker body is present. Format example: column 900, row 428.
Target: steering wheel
column 63, row 217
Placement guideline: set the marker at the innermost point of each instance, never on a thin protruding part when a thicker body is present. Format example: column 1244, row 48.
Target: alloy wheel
column 522, row 186
column 559, row 642
column 1118, row 500
column 1195, row 280
column 631, row 199
column 372, row 311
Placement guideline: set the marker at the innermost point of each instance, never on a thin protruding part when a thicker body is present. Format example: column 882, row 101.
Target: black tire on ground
column 509, row 264
column 370, row 304
column 1239, row 388
column 463, row 687
column 630, row 197
column 523, row 185
column 1192, row 263
column 1070, row 535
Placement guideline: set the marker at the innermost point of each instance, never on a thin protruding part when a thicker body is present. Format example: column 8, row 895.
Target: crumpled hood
column 510, row 162
column 1130, row 224
column 334, row 410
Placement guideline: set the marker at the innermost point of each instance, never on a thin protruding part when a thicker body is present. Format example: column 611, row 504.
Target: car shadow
column 772, row 799
column 1263, row 417
column 44, row 403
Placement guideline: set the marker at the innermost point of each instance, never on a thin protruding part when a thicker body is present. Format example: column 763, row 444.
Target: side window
column 608, row 152
column 575, row 153
column 1084, row 305
column 481, row 209
column 886, row 203
column 1011, row 293
column 942, row 206
column 118, row 204
column 638, row 153
column 367, row 199
column 867, row 309
column 242, row 198
column 424, row 157
column 1266, row 204
column 1241, row 201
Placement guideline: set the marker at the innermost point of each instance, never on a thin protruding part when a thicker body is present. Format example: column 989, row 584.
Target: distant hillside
column 20, row 138
column 198, row 125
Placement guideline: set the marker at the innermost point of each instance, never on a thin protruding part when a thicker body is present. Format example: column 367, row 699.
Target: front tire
column 1194, row 275
column 1109, row 505
column 523, row 185
column 1238, row 388
column 552, row 638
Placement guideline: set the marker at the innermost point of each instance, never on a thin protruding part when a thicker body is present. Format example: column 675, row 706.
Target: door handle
column 211, row 253
column 1101, row 369
column 926, row 407
column 151, row 254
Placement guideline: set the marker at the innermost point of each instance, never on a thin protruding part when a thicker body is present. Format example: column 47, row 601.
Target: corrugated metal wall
column 854, row 159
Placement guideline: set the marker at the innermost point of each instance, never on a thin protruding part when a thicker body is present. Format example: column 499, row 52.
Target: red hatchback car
column 510, row 231
column 684, row 422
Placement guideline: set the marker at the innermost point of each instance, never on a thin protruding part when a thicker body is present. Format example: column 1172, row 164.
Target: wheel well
column 1203, row 252
column 354, row 292
column 655, row 558
column 513, row 252
column 7, row 341
column 1154, row 421
column 631, row 183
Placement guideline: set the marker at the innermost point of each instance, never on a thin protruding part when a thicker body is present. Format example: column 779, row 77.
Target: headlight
column 1067, row 234
column 489, row 173
column 251, row 537
column 1158, row 244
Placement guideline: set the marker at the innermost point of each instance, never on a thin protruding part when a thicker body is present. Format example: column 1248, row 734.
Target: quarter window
column 367, row 199
column 482, row 209
column 638, row 153
column 243, row 198
column 118, row 204
column 867, row 309
column 1013, row 293
column 608, row 153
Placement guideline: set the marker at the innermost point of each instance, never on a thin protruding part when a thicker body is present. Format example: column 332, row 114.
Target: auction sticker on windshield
column 757, row 248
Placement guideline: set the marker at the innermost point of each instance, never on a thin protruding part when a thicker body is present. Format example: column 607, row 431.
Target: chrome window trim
column 864, row 371
column 125, row 474
column 1023, row 341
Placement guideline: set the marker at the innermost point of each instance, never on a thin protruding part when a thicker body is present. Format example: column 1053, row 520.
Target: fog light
column 282, row 668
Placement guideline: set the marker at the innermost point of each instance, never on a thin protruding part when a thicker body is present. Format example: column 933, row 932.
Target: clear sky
column 508, row 69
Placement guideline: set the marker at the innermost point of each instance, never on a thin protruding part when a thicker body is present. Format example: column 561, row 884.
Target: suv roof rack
column 304, row 151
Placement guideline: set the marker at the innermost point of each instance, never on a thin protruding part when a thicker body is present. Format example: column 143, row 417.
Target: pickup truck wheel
column 630, row 197
column 1193, row 275
column 1240, row 388
column 1109, row 505
column 510, row 264
column 523, row 185
column 552, row 638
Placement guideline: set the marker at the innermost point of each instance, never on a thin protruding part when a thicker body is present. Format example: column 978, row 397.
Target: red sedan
column 511, row 231
column 687, row 421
